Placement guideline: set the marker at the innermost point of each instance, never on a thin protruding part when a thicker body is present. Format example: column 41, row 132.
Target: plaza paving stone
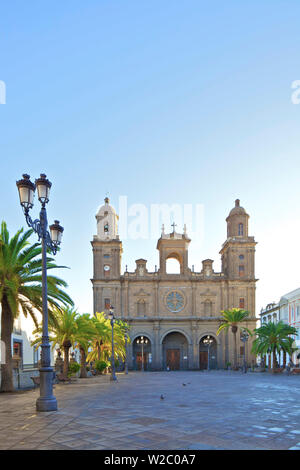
column 215, row 410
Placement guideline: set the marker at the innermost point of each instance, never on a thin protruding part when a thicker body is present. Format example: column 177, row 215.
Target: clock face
column 175, row 301
column 106, row 268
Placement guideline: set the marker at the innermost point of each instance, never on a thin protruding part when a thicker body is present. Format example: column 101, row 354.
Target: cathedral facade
column 171, row 315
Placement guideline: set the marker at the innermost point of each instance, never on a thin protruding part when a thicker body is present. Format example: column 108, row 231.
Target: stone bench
column 36, row 380
column 62, row 378
column 278, row 370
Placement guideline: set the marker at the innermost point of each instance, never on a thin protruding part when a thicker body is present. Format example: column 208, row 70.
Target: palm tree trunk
column 274, row 362
column 234, row 331
column 284, row 359
column 83, row 373
column 7, row 384
column 66, row 361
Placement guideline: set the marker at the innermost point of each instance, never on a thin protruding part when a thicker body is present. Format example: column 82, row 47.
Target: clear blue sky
column 162, row 101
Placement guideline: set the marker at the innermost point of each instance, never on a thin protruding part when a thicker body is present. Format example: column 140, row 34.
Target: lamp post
column 46, row 400
column 208, row 342
column 142, row 341
column 126, row 358
column 244, row 338
column 112, row 321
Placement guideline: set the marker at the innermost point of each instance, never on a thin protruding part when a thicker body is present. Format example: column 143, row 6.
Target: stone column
column 125, row 298
column 190, row 356
column 193, row 300
column 195, row 346
column 121, row 300
column 162, row 263
column 155, row 348
column 100, row 300
column 156, row 299
column 94, row 298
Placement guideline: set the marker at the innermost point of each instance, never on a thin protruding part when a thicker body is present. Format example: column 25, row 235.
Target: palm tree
column 272, row 338
column 84, row 323
column 231, row 319
column 67, row 329
column 101, row 347
column 102, row 336
column 21, row 289
column 125, row 328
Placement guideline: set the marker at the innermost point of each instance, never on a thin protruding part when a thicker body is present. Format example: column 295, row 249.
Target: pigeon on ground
column 184, row 385
column 162, row 397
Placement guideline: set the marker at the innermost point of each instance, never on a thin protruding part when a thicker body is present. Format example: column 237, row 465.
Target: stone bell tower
column 107, row 222
column 173, row 245
column 238, row 251
column 107, row 252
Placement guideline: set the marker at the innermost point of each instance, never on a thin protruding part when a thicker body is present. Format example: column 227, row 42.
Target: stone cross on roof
column 173, row 225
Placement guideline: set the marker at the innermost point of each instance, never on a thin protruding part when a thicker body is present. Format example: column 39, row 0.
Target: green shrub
column 74, row 367
column 100, row 366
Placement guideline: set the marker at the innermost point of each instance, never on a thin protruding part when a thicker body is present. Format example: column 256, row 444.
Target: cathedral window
column 106, row 256
column 106, row 228
column 141, row 307
column 241, row 257
column 241, row 270
column 241, row 229
column 208, row 308
column 107, row 304
column 242, row 302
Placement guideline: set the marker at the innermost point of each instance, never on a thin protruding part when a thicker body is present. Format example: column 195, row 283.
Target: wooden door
column 173, row 359
column 203, row 359
column 139, row 361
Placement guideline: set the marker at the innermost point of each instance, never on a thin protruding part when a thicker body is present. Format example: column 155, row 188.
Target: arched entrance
column 142, row 356
column 175, row 351
column 208, row 352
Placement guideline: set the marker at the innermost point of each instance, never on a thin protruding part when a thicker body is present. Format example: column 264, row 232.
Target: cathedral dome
column 107, row 222
column 237, row 221
column 106, row 209
column 237, row 210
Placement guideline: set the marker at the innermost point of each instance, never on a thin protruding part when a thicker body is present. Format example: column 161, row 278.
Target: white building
column 21, row 343
column 288, row 311
column 23, row 354
column 269, row 314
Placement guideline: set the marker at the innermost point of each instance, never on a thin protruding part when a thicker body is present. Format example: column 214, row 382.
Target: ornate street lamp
column 112, row 321
column 46, row 400
column 126, row 355
column 244, row 338
column 142, row 341
column 208, row 342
